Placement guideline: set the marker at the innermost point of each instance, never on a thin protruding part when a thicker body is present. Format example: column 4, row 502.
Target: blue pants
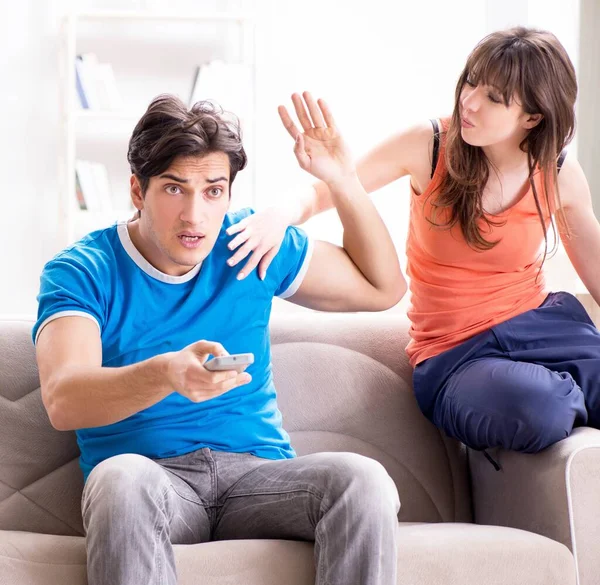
column 521, row 385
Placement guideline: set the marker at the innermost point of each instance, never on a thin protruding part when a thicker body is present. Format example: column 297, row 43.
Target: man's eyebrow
column 180, row 180
column 173, row 178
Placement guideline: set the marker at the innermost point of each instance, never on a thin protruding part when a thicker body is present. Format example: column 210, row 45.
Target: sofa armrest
column 555, row 493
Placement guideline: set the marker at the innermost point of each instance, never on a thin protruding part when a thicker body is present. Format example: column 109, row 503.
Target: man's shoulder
column 233, row 217
column 94, row 253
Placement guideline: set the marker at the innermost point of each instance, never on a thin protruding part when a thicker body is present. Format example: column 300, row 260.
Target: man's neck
column 151, row 254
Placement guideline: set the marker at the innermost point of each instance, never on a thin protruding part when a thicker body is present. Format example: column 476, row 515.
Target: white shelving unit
column 151, row 53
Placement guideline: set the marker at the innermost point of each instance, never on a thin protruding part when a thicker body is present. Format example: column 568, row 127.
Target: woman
column 498, row 361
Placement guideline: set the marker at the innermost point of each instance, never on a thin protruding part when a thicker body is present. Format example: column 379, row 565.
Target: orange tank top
column 458, row 291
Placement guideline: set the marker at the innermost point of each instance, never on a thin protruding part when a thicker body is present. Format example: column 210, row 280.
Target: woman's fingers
column 301, row 112
column 300, row 153
column 287, row 122
column 329, row 120
column 320, row 114
column 240, row 254
column 239, row 240
column 265, row 262
column 238, row 227
column 315, row 113
column 252, row 263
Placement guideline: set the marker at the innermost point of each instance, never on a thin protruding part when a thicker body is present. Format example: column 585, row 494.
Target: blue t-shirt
column 142, row 312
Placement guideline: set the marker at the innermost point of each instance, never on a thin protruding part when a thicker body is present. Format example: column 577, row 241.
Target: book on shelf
column 79, row 193
column 92, row 186
column 80, row 84
column 95, row 84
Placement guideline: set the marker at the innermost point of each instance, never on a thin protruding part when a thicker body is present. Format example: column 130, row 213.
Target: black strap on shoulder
column 560, row 160
column 436, row 145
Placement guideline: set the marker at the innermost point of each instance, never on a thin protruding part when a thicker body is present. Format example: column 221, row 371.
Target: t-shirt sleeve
column 69, row 287
column 292, row 261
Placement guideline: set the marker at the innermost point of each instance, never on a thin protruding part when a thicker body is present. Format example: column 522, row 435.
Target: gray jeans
column 135, row 508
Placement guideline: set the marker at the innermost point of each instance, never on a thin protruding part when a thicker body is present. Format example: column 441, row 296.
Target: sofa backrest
column 344, row 384
column 40, row 479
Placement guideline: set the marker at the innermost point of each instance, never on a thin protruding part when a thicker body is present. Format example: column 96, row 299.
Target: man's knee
column 363, row 482
column 120, row 481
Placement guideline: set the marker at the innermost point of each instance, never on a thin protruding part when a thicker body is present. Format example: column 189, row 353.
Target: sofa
column 344, row 384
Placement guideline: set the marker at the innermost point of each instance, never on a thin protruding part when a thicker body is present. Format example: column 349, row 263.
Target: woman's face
column 486, row 120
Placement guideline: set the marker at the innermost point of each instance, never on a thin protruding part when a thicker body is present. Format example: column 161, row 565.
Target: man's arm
column 79, row 393
column 365, row 274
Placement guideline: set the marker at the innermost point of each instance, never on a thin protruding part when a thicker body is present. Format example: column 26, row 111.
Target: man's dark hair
column 170, row 129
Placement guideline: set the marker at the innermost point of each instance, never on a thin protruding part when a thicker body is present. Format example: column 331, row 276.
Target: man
column 174, row 453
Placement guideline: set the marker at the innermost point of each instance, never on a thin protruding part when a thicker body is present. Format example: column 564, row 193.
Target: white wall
column 563, row 19
column 28, row 142
column 383, row 69
column 589, row 115
column 381, row 65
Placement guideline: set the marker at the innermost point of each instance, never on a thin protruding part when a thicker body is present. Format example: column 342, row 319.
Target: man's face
column 182, row 211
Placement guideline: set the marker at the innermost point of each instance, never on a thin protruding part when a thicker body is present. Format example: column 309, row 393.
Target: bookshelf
column 150, row 53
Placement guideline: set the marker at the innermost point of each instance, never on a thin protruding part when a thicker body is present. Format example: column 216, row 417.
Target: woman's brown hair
column 532, row 67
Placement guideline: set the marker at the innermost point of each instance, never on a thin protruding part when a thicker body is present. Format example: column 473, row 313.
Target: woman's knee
column 547, row 411
column 517, row 406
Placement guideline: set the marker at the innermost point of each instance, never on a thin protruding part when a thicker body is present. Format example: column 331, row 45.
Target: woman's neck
column 506, row 157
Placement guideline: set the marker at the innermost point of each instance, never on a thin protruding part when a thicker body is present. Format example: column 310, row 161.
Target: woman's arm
column 583, row 246
column 406, row 153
